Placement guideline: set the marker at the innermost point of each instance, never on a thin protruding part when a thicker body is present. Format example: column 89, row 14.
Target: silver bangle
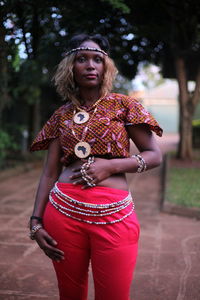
column 142, row 166
column 33, row 231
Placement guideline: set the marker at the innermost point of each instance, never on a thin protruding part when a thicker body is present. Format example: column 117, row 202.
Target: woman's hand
column 48, row 245
column 99, row 170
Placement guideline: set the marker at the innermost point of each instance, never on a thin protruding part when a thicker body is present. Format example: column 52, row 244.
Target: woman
column 84, row 212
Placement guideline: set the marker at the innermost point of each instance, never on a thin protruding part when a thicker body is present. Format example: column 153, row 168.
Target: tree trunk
column 35, row 113
column 185, row 149
column 186, row 109
column 4, row 98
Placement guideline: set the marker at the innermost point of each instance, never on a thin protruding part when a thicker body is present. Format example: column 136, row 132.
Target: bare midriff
column 117, row 181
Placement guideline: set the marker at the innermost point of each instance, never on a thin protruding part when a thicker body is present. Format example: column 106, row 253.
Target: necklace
column 83, row 116
column 83, row 149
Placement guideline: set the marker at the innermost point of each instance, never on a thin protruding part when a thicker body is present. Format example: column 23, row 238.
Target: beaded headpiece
column 86, row 49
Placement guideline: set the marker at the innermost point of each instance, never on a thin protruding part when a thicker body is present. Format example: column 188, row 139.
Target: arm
column 145, row 142
column 147, row 146
column 50, row 174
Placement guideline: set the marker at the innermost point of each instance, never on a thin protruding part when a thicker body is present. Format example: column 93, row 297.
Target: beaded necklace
column 83, row 149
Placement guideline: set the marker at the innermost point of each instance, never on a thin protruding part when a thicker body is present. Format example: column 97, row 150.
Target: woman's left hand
column 99, row 170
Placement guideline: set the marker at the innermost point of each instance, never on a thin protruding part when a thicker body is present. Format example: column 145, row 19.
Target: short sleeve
column 49, row 132
column 137, row 114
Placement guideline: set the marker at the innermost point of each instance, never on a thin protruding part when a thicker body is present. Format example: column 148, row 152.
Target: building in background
column 162, row 102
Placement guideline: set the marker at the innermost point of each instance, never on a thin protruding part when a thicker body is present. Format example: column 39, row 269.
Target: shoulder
column 124, row 100
column 61, row 111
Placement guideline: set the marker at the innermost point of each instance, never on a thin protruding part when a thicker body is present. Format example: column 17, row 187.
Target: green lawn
column 183, row 186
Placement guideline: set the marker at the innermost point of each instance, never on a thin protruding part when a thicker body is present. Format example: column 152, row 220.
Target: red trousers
column 111, row 248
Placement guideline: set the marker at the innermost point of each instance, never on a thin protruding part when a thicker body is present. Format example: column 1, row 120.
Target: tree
column 3, row 67
column 24, row 30
column 42, row 28
column 167, row 33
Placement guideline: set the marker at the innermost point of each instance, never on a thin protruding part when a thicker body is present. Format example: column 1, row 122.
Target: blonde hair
column 66, row 86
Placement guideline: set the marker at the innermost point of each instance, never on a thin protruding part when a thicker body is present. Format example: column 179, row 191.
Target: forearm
column 130, row 165
column 50, row 174
column 45, row 241
column 42, row 196
column 45, row 185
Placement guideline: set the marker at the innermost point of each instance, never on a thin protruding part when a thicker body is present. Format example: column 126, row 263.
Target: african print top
column 106, row 134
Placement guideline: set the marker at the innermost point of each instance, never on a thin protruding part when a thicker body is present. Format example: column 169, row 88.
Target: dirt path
column 168, row 262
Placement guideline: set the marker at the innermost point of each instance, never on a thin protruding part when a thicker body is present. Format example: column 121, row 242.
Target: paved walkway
column 169, row 255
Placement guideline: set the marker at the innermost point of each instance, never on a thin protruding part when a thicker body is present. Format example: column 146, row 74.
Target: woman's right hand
column 48, row 245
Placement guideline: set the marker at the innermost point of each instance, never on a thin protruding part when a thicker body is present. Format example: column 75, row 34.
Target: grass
column 183, row 186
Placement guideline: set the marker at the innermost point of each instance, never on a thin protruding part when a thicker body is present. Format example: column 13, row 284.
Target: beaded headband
column 87, row 49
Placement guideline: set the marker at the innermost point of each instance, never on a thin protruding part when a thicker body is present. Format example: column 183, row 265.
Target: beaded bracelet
column 33, row 231
column 88, row 179
column 142, row 166
column 36, row 218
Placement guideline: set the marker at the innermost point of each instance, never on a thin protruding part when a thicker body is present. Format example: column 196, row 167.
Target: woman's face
column 89, row 66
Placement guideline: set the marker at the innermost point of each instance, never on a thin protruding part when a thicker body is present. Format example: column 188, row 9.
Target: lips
column 91, row 76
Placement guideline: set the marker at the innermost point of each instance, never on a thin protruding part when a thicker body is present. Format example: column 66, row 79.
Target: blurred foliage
column 7, row 146
column 119, row 5
column 196, row 133
column 196, row 123
column 34, row 35
column 122, row 85
column 150, row 76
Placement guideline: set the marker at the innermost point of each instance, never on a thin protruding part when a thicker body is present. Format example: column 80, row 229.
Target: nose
column 90, row 65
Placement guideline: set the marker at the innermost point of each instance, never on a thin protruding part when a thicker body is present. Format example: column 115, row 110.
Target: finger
column 42, row 234
column 74, row 176
column 50, row 244
column 91, row 177
column 91, row 172
column 81, row 181
column 47, row 243
column 76, row 169
column 50, row 240
column 54, row 256
column 56, row 251
column 84, row 187
column 53, row 252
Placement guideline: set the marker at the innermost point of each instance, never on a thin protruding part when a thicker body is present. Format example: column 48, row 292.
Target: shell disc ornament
column 82, row 149
column 81, row 117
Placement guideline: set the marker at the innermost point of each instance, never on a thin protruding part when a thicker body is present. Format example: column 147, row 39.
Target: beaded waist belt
column 90, row 213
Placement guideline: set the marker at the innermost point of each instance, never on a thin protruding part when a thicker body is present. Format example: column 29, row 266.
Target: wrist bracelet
column 142, row 166
column 33, row 231
column 36, row 218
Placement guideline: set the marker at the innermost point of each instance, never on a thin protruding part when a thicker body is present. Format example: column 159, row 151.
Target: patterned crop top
column 106, row 134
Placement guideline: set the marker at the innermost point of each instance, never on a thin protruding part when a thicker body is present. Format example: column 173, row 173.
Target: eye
column 98, row 59
column 81, row 59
